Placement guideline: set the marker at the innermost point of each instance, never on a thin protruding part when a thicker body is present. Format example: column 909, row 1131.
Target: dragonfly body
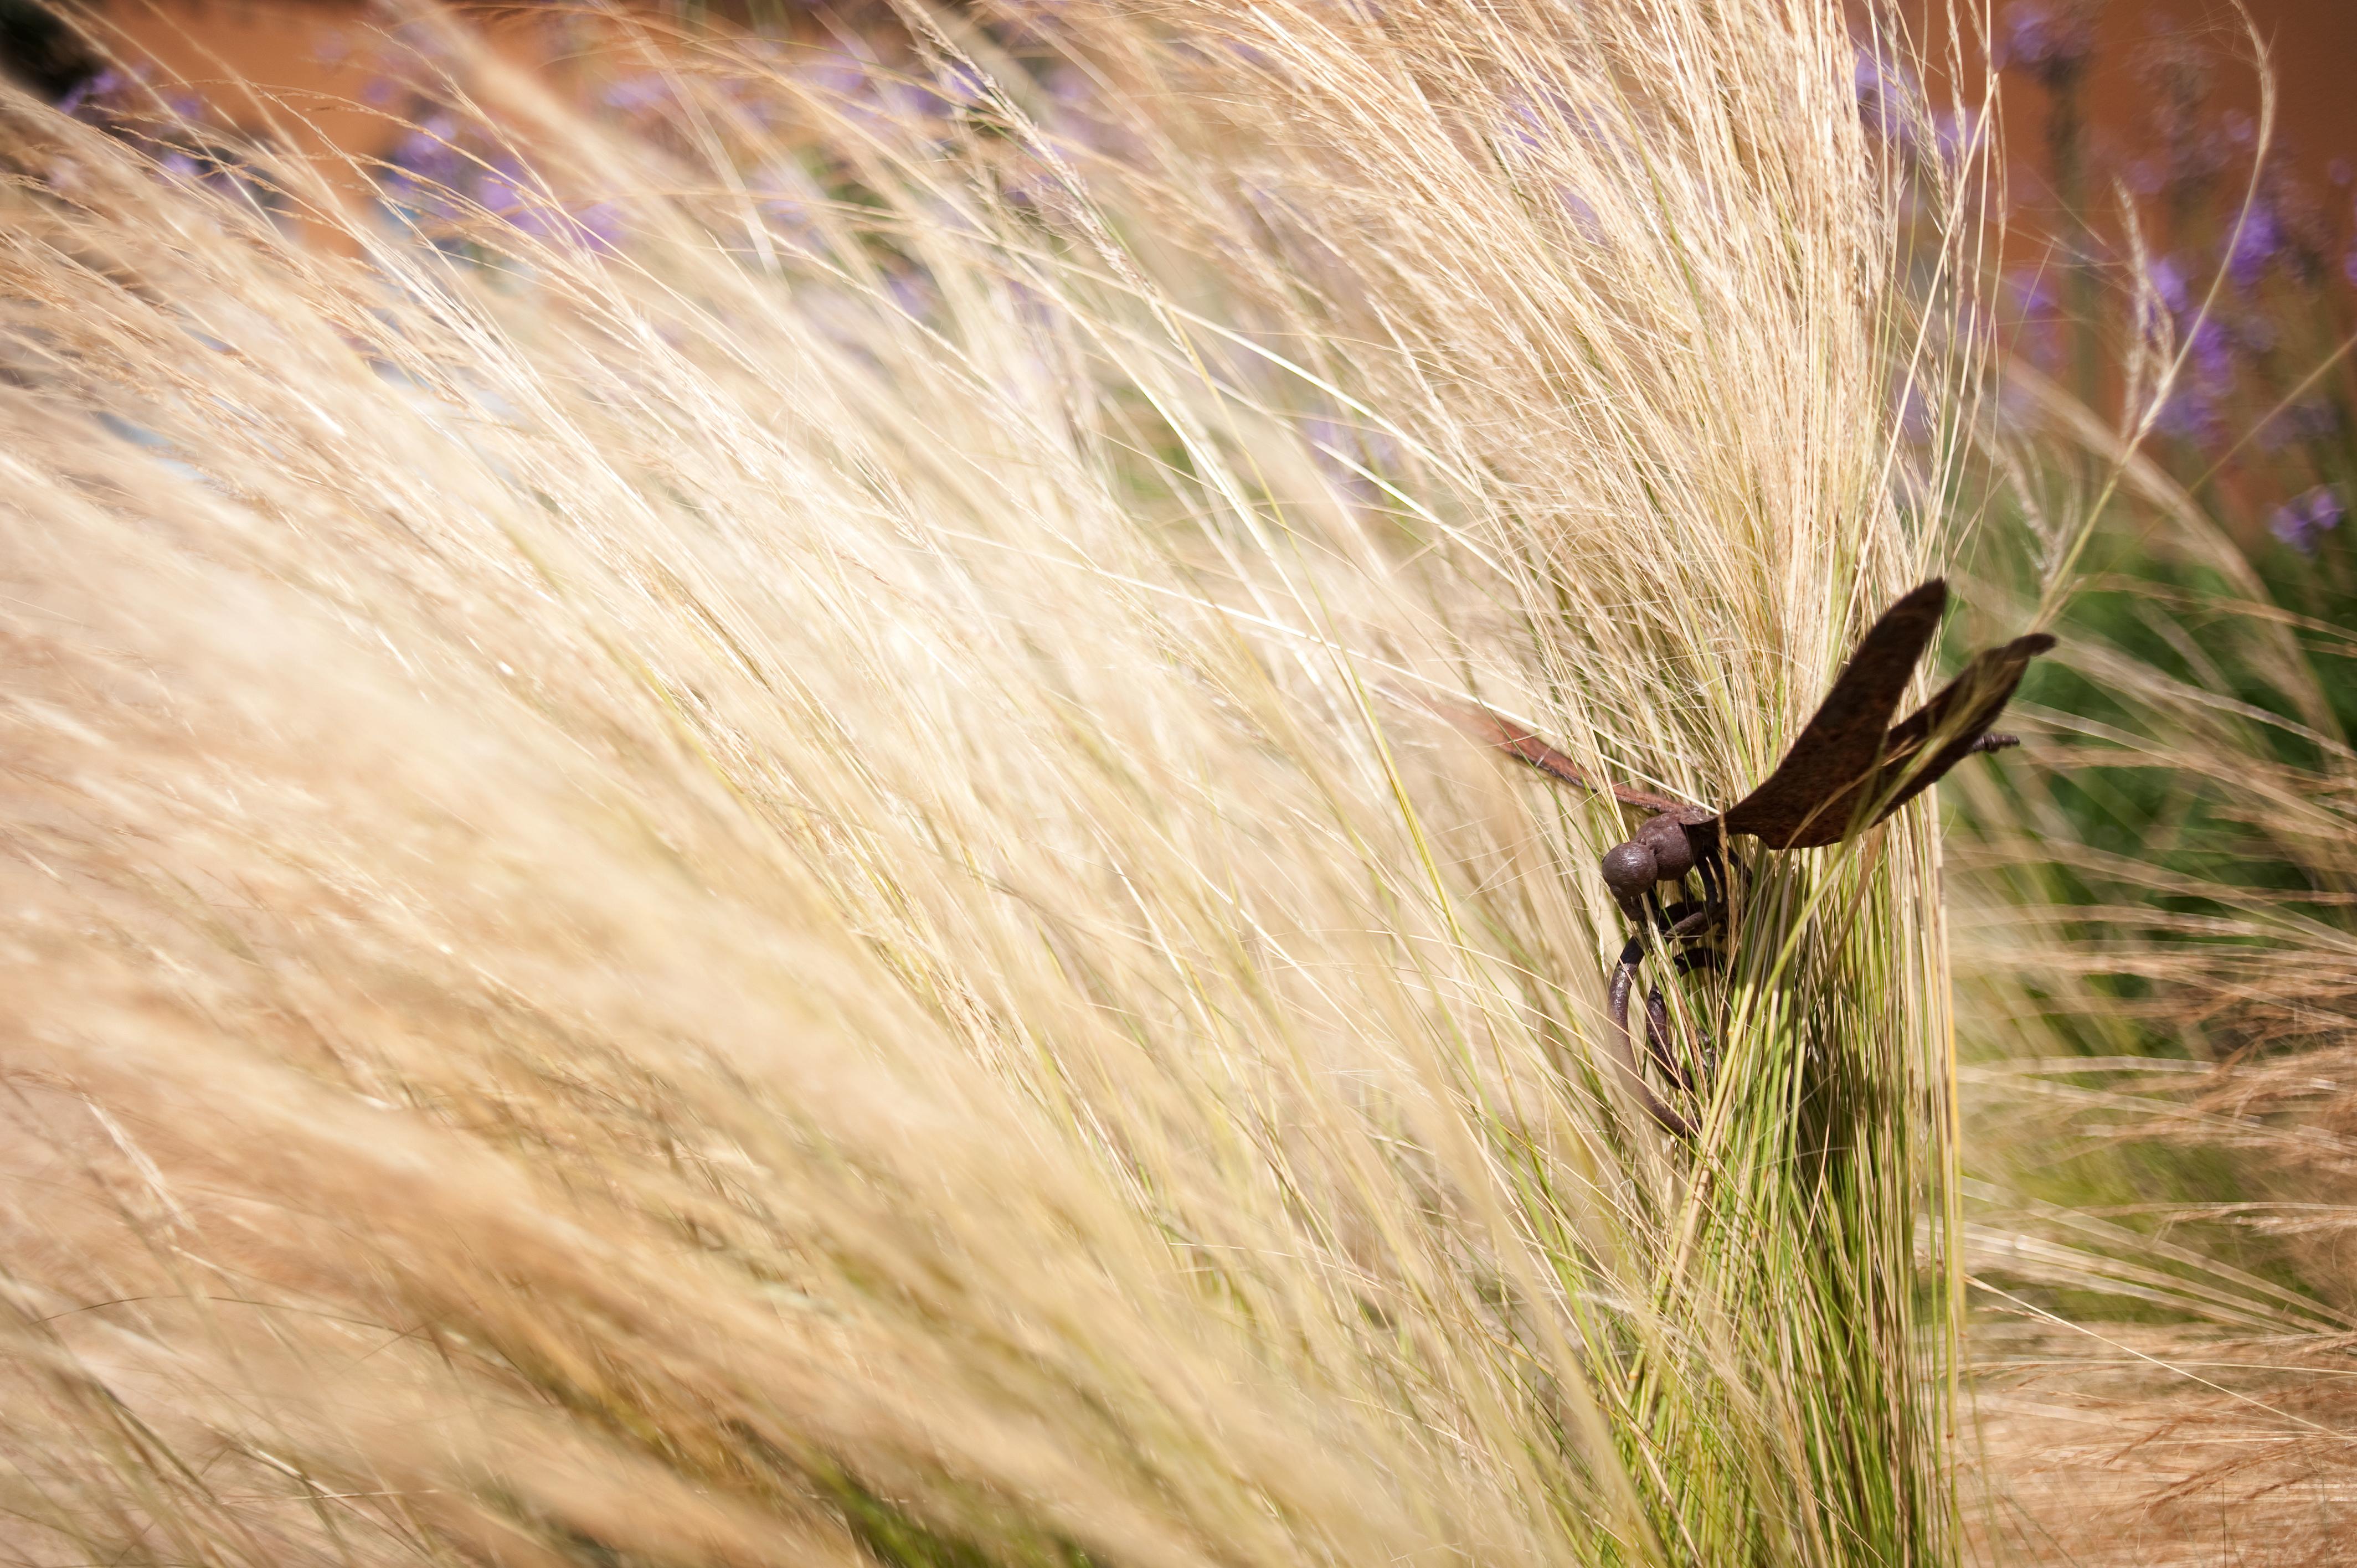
column 1850, row 767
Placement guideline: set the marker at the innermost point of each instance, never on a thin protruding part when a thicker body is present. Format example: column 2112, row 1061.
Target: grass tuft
column 736, row 884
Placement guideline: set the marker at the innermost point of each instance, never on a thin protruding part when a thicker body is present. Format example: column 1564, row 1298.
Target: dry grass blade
column 2155, row 955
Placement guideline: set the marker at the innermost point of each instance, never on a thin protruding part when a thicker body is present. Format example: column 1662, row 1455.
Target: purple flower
column 633, row 94
column 2188, row 415
column 1915, row 422
column 962, row 85
column 2039, row 313
column 91, row 90
column 2213, row 354
column 1528, row 124
column 2194, row 410
column 2049, row 42
column 1252, row 56
column 424, row 150
column 602, row 226
column 1582, row 214
column 2302, row 521
column 2299, row 423
column 834, row 73
column 597, row 227
column 1959, row 130
column 911, row 291
column 1890, row 100
column 2259, row 239
column 108, row 98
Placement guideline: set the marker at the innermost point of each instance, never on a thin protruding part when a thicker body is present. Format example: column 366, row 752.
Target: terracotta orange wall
column 315, row 59
column 2313, row 54
column 301, row 71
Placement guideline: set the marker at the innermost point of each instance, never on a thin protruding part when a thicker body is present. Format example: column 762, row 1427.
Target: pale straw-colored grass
column 663, row 909
column 2160, row 1072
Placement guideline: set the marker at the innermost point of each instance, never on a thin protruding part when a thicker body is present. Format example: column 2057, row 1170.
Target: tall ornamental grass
column 721, row 847
column 2153, row 907
column 2157, row 957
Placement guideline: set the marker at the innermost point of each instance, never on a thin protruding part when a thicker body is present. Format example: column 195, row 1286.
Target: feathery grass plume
column 2154, row 963
column 2156, row 957
column 732, row 885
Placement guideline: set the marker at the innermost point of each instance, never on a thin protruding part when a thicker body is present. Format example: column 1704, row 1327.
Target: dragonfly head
column 1658, row 852
column 1673, row 851
column 1631, row 870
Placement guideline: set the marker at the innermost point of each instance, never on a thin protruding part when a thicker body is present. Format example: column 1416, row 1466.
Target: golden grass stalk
column 751, row 899
column 2155, row 951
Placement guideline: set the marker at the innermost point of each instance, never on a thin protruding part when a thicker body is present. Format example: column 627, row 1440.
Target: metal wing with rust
column 1849, row 759
column 1504, row 735
column 1845, row 763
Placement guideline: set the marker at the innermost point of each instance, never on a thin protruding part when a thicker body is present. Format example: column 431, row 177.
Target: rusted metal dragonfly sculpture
column 1850, row 768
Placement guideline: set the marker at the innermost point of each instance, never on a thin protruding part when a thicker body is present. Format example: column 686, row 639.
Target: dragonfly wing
column 1962, row 711
column 1503, row 735
column 1810, row 798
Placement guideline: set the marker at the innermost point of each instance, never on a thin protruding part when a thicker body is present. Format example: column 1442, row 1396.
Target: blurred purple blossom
column 1959, row 130
column 911, row 291
column 443, row 174
column 1582, row 214
column 962, row 84
column 636, row 94
column 2038, row 310
column 2282, row 228
column 503, row 190
column 1534, row 122
column 1915, row 421
column 2304, row 520
column 2048, row 42
column 1069, row 86
column 1252, row 56
column 597, row 226
column 2175, row 68
column 832, row 73
column 1349, row 454
column 2298, row 424
column 2195, row 411
column 1889, row 98
column 787, row 198
column 427, row 148
column 94, row 98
